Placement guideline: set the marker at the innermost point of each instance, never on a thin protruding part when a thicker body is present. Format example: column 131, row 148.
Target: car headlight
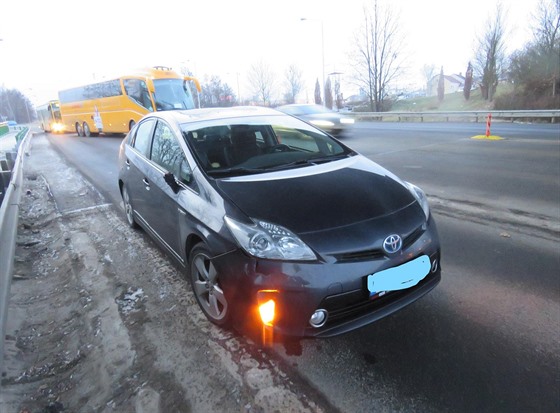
column 347, row 121
column 266, row 240
column 322, row 123
column 420, row 197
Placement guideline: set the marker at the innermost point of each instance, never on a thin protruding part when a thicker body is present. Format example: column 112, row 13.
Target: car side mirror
column 170, row 180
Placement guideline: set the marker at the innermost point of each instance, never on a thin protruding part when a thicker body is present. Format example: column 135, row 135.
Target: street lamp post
column 322, row 49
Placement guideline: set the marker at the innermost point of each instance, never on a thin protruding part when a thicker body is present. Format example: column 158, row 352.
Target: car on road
column 277, row 224
column 322, row 117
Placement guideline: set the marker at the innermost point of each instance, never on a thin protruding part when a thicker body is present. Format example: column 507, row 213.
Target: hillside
column 451, row 102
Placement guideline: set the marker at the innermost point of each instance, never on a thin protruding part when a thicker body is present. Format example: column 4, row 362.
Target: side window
column 143, row 137
column 137, row 90
column 167, row 153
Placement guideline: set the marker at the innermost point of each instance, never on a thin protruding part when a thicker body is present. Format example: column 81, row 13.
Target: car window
column 259, row 144
column 143, row 138
column 167, row 152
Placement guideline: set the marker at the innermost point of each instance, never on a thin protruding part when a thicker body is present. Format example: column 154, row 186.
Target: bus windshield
column 56, row 111
column 172, row 94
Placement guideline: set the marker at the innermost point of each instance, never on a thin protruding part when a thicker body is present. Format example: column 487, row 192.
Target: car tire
column 87, row 131
column 128, row 209
column 79, row 129
column 205, row 282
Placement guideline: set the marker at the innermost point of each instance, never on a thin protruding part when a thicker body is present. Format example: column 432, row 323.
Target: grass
column 451, row 102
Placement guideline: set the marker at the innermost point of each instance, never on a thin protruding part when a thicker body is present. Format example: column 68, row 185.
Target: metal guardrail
column 552, row 114
column 9, row 214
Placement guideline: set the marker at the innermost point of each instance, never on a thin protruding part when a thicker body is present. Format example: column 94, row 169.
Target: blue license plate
column 399, row 278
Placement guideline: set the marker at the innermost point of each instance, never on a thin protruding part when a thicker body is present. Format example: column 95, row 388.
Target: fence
column 552, row 115
column 9, row 214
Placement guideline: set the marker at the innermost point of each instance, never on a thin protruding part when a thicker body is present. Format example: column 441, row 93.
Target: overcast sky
column 52, row 45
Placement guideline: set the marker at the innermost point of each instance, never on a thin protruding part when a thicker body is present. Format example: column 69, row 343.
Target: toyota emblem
column 392, row 244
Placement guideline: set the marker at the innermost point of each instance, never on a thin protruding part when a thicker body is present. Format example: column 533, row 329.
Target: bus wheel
column 87, row 131
column 131, row 125
column 79, row 130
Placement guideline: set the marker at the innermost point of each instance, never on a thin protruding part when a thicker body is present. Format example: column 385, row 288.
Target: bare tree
column 293, row 82
column 429, row 72
column 262, row 79
column 378, row 59
column 547, row 40
column 490, row 54
column 216, row 93
column 14, row 105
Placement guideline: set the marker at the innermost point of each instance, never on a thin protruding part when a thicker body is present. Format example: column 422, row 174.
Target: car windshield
column 250, row 145
column 172, row 94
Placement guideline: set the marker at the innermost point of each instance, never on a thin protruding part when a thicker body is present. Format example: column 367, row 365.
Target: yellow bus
column 49, row 116
column 114, row 106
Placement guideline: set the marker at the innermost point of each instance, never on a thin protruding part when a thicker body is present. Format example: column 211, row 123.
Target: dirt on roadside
column 100, row 320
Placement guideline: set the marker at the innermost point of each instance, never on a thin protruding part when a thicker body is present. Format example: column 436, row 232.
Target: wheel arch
column 190, row 242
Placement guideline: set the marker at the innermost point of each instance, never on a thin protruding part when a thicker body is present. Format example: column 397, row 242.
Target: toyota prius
column 275, row 222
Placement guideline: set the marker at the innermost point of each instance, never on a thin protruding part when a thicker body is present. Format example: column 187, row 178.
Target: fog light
column 434, row 266
column 267, row 306
column 266, row 310
column 319, row 318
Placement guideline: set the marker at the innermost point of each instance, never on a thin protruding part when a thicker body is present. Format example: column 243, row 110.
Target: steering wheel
column 278, row 148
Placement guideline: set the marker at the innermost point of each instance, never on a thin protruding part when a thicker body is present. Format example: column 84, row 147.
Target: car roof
column 198, row 115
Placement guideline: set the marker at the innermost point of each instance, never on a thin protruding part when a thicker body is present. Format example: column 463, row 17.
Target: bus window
column 138, row 91
column 172, row 94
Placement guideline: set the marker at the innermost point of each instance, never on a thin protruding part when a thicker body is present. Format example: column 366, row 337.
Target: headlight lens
column 347, row 121
column 266, row 240
column 420, row 197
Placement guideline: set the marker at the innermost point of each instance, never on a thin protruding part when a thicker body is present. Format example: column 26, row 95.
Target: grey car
column 279, row 226
column 332, row 122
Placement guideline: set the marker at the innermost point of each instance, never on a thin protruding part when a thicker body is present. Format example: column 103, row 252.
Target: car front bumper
column 301, row 288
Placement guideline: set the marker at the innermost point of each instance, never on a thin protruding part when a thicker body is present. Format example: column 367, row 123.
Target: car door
column 164, row 211
column 138, row 166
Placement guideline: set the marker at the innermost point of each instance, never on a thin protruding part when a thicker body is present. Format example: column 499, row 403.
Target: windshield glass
column 250, row 145
column 55, row 108
column 172, row 94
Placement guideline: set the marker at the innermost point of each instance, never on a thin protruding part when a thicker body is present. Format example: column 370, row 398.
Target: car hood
column 327, row 197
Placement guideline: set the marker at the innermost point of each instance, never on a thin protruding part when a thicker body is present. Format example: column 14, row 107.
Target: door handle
column 146, row 183
column 181, row 211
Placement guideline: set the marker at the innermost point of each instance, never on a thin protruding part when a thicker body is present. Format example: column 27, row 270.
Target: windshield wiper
column 307, row 162
column 234, row 171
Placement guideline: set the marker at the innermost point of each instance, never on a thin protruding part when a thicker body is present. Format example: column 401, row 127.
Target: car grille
column 377, row 253
column 353, row 304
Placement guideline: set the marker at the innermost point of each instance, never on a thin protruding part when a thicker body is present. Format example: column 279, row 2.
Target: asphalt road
column 488, row 337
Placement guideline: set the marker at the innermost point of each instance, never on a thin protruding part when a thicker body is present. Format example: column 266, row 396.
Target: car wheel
column 205, row 282
column 128, row 210
column 87, row 131
column 79, row 130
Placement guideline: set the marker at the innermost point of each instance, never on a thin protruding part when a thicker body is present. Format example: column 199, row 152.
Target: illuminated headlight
column 322, row 123
column 266, row 240
column 420, row 197
column 57, row 127
column 347, row 121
